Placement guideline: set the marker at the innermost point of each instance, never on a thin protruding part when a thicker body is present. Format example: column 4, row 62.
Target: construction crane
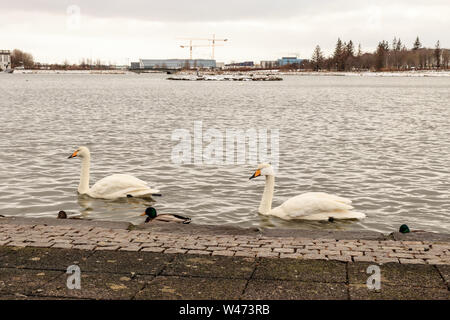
column 213, row 44
column 190, row 46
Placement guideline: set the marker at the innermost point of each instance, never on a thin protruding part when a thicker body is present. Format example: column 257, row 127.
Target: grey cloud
column 202, row 10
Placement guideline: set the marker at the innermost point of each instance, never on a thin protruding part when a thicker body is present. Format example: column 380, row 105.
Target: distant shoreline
column 421, row 73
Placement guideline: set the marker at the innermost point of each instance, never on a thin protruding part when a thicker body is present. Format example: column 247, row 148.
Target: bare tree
column 20, row 58
column 445, row 58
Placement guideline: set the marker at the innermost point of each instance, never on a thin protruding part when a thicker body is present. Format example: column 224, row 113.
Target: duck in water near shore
column 152, row 215
column 63, row 215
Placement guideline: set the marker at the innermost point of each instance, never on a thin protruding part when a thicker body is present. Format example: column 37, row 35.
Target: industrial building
column 176, row 63
column 248, row 64
column 5, row 59
column 284, row 61
column 269, row 64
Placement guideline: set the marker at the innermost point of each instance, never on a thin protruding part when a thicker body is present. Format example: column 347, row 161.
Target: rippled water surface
column 383, row 142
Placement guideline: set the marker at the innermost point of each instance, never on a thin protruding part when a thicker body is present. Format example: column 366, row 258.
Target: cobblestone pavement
column 93, row 238
column 41, row 273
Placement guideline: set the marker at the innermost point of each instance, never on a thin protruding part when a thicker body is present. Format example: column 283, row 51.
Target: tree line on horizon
column 387, row 57
column 26, row 60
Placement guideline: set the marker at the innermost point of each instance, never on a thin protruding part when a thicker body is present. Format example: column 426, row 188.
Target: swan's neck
column 266, row 202
column 83, row 188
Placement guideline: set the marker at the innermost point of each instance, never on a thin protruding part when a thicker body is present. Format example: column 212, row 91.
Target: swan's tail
column 145, row 193
column 337, row 215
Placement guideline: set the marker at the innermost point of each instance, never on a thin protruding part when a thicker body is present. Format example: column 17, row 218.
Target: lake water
column 383, row 142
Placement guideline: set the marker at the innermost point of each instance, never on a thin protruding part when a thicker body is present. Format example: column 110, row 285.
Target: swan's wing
column 119, row 186
column 328, row 196
column 310, row 204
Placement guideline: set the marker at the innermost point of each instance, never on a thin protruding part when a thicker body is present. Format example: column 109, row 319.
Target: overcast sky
column 120, row 31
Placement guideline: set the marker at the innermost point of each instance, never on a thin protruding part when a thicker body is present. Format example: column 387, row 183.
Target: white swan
column 307, row 206
column 112, row 187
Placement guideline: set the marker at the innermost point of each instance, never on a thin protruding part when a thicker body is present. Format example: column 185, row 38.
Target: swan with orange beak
column 307, row 206
column 112, row 187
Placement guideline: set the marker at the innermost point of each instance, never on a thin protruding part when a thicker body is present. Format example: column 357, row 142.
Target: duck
column 111, row 187
column 152, row 215
column 318, row 206
column 63, row 215
column 404, row 229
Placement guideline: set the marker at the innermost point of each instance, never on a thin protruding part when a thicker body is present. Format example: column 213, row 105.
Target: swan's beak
column 73, row 155
column 256, row 174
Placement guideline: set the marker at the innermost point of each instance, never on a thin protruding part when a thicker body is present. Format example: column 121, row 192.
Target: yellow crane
column 190, row 46
column 213, row 44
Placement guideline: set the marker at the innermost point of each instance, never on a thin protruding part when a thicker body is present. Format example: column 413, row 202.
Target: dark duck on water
column 152, row 215
column 63, row 215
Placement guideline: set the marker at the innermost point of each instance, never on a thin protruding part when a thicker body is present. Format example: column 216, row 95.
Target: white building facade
column 176, row 63
column 5, row 59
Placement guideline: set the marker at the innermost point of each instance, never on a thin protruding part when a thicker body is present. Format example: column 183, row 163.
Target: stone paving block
column 181, row 288
column 394, row 274
column 245, row 254
column 107, row 248
column 223, row 253
column 17, row 244
column 314, row 256
column 304, row 270
column 340, row 258
column 153, row 249
column 387, row 292
column 383, row 260
column 436, row 261
column 269, row 254
column 141, row 263
column 211, row 266
column 99, row 286
column 412, row 261
column 294, row 290
column 44, row 258
column 175, row 250
column 199, row 252
column 353, row 253
column 363, row 259
column 291, row 255
column 130, row 248
column 24, row 281
column 284, row 250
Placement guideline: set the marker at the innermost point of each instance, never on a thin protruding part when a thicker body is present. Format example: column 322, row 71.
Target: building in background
column 245, row 64
column 5, row 59
column 284, row 61
column 135, row 65
column 269, row 64
column 176, row 64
